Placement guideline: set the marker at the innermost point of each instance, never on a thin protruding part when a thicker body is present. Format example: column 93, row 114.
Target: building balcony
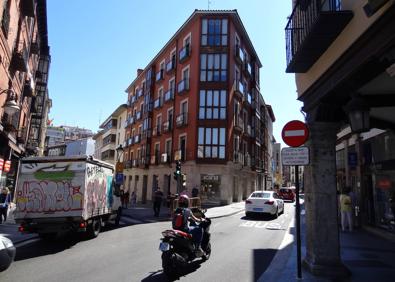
column 137, row 139
column 139, row 93
column 311, row 29
column 27, row 8
column 171, row 65
column 158, row 103
column 239, row 89
column 165, row 158
column 35, row 48
column 183, row 86
column 157, row 131
column 155, row 159
column 182, row 119
column 167, row 126
column 239, row 55
column 28, row 90
column 184, row 53
column 238, row 157
column 19, row 62
column 239, row 124
column 146, row 134
column 159, row 75
column 169, row 95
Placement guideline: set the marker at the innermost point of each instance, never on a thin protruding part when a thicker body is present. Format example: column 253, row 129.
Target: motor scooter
column 178, row 249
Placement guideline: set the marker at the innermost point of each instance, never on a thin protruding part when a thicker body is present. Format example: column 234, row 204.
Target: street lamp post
column 10, row 106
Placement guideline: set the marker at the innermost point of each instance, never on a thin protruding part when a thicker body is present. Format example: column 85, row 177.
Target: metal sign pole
column 297, row 215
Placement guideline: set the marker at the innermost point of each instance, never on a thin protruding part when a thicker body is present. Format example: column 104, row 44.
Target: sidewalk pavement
column 136, row 214
column 368, row 256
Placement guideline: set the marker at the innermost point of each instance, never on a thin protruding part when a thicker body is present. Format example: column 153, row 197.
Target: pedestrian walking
column 195, row 192
column 134, row 198
column 5, row 199
column 126, row 199
column 158, row 197
column 346, row 209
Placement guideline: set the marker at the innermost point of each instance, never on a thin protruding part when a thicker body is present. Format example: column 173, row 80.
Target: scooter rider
column 195, row 230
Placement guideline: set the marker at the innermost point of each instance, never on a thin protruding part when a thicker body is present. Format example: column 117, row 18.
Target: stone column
column 322, row 229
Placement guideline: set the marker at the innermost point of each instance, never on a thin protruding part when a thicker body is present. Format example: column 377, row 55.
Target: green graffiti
column 54, row 175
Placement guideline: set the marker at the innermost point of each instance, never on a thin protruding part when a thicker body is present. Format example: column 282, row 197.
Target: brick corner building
column 24, row 67
column 198, row 101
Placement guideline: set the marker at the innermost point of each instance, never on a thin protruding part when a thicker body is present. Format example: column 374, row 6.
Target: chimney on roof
column 139, row 71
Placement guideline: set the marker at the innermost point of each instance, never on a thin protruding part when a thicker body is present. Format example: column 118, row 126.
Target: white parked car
column 264, row 202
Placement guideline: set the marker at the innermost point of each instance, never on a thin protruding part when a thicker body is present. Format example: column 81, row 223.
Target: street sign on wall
column 295, row 133
column 295, row 156
column 119, row 178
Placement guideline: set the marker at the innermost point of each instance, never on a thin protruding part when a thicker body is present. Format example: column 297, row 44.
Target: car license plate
column 163, row 246
column 258, row 209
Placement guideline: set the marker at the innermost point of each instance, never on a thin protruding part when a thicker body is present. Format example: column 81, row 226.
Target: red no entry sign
column 295, row 133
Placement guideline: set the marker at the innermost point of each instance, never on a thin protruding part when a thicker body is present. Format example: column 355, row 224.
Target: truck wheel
column 94, row 228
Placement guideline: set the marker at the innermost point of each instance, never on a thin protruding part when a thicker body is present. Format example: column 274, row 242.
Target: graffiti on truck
column 96, row 195
column 49, row 196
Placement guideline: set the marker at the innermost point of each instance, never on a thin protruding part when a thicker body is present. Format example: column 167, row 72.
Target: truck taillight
column 21, row 228
column 82, row 224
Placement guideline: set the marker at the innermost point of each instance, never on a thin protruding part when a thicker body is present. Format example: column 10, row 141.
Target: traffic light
column 177, row 173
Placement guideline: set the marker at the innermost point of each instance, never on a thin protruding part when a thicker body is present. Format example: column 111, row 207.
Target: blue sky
column 97, row 46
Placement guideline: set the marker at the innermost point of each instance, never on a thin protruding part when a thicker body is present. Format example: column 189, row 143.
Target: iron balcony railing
column 159, row 75
column 158, row 103
column 182, row 119
column 312, row 27
column 169, row 95
column 183, row 86
column 171, row 65
column 184, row 53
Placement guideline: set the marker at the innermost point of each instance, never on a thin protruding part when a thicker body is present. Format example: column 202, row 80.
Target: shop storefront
column 210, row 189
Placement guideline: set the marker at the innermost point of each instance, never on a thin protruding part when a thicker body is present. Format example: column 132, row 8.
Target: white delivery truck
column 55, row 194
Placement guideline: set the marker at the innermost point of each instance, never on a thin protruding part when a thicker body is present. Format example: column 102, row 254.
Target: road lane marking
column 274, row 226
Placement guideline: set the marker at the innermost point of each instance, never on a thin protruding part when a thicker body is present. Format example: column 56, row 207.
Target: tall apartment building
column 198, row 101
column 24, row 102
column 110, row 136
column 343, row 54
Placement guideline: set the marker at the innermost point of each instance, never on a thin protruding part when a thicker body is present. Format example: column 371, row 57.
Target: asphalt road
column 242, row 249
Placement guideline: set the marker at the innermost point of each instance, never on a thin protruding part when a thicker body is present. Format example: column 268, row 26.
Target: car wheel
column 276, row 214
column 248, row 214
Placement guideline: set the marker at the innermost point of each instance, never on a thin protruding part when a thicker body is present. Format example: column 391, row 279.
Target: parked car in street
column 287, row 193
column 264, row 202
column 7, row 252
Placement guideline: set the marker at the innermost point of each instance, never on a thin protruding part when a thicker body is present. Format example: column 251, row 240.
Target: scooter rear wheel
column 169, row 265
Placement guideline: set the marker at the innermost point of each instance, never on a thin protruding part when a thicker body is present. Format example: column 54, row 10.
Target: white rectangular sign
column 295, row 156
